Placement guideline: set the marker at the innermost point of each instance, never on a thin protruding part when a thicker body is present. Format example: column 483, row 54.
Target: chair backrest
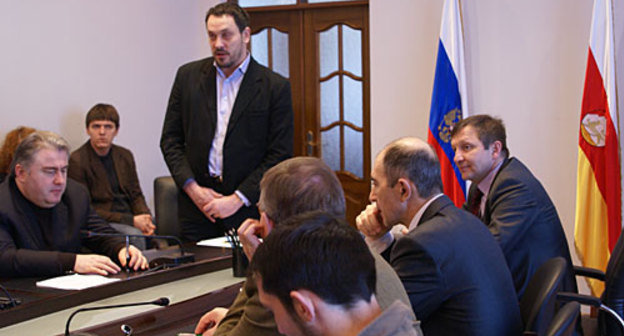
column 564, row 323
column 166, row 206
column 538, row 305
column 613, row 295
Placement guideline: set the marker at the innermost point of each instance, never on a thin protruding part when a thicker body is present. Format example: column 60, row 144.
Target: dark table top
column 167, row 321
column 38, row 301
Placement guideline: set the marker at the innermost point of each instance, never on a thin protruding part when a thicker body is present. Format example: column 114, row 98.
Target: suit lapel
column 98, row 170
column 208, row 85
column 29, row 217
column 247, row 91
column 25, row 211
column 434, row 208
column 204, row 123
column 60, row 224
column 117, row 159
column 488, row 202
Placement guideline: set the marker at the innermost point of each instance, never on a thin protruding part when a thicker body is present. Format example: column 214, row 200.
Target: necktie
column 475, row 203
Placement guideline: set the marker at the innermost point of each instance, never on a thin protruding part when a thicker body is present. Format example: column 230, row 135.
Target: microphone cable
column 10, row 301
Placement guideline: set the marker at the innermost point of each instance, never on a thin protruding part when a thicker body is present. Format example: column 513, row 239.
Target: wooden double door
column 323, row 50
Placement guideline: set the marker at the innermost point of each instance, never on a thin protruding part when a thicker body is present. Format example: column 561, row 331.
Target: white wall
column 59, row 58
column 525, row 63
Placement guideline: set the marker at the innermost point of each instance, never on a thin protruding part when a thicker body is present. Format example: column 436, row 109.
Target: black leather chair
column 564, row 323
column 166, row 206
column 611, row 302
column 539, row 303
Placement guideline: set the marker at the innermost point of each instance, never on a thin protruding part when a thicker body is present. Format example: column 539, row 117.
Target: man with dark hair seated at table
column 317, row 276
column 292, row 187
column 110, row 174
column 43, row 216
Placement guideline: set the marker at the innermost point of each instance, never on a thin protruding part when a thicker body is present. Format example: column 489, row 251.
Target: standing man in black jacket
column 229, row 119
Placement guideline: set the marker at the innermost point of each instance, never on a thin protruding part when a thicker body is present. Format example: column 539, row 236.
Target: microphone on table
column 163, row 301
column 174, row 259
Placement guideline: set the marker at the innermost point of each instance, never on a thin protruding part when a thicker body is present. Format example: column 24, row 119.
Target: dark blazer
column 455, row 275
column 259, row 133
column 524, row 221
column 86, row 167
column 24, row 248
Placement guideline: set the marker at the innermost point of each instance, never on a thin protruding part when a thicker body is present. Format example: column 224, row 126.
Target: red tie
column 475, row 203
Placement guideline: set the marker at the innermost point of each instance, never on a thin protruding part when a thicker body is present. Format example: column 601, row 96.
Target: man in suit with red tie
column 509, row 200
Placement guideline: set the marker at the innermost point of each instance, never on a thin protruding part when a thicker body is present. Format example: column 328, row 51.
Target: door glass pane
column 330, row 147
column 328, row 50
column 258, row 3
column 319, row 1
column 352, row 101
column 352, row 50
column 260, row 47
column 280, row 52
column 354, row 153
column 330, row 108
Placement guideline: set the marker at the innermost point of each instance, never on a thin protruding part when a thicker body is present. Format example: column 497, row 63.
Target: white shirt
column 381, row 244
column 227, row 90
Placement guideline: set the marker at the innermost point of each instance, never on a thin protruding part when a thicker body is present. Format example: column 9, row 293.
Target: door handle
column 310, row 144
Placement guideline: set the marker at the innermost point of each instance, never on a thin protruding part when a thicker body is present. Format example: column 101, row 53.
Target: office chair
column 564, row 323
column 611, row 302
column 538, row 305
column 166, row 206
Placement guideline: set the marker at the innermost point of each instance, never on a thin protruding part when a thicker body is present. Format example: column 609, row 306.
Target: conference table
column 192, row 289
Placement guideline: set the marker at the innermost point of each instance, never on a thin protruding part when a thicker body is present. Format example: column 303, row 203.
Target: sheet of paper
column 215, row 242
column 76, row 281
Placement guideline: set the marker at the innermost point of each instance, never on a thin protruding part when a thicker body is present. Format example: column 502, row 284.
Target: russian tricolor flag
column 448, row 101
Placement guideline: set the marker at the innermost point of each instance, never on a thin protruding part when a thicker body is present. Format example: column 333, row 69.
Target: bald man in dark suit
column 453, row 270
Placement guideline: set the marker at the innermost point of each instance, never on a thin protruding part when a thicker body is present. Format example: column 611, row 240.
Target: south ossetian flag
column 448, row 101
column 598, row 220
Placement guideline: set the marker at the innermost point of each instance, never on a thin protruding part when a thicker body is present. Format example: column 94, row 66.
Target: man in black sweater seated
column 42, row 214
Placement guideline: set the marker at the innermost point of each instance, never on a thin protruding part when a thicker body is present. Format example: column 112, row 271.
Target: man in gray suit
column 509, row 200
column 292, row 187
column 453, row 270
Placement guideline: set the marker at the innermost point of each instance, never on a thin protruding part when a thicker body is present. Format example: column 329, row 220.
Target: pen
column 127, row 254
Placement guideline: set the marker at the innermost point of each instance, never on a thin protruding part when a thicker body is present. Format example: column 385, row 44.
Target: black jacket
column 26, row 251
column 455, row 275
column 259, row 133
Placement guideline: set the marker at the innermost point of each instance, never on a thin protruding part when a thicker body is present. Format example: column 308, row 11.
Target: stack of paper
column 215, row 242
column 76, row 281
